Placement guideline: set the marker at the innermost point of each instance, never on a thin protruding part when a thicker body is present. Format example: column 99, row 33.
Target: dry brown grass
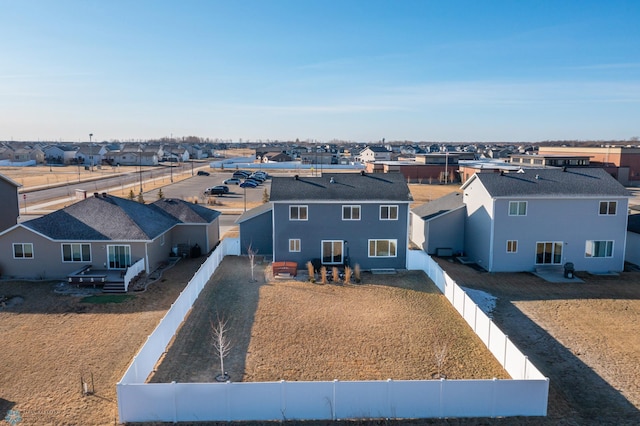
column 386, row 327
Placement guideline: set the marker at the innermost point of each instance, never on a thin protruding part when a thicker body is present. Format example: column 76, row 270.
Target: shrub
column 356, row 272
column 335, row 274
column 323, row 275
column 311, row 271
column 347, row 274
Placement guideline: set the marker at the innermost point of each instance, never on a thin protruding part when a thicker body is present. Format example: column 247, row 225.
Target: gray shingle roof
column 256, row 211
column 104, row 218
column 342, row 187
column 551, row 182
column 439, row 206
column 186, row 212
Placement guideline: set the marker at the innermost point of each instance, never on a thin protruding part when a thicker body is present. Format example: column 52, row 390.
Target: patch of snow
column 485, row 301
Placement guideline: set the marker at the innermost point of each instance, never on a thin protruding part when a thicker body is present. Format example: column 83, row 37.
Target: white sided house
column 526, row 220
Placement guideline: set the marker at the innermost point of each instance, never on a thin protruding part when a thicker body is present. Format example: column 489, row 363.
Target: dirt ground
column 585, row 337
column 51, row 340
column 388, row 326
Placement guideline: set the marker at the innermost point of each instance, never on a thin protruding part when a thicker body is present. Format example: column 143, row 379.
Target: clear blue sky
column 425, row 70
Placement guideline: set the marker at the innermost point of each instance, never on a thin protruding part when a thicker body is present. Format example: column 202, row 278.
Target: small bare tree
column 221, row 344
column 252, row 259
column 440, row 355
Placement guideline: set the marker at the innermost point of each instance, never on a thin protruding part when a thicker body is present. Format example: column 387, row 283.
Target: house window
column 76, row 252
column 549, row 253
column 294, row 245
column 388, row 212
column 23, row 251
column 119, row 257
column 512, row 246
column 517, row 208
column 608, row 207
column 332, row 252
column 298, row 213
column 599, row 249
column 382, row 248
column 350, row 212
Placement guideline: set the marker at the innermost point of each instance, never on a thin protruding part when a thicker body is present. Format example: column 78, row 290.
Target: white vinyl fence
column 525, row 395
column 132, row 272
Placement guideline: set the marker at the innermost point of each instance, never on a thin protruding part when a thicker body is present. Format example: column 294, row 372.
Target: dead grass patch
column 293, row 330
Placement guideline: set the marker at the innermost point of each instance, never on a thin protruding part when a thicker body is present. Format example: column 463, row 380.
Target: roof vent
column 362, row 173
column 296, row 177
column 537, row 177
column 332, row 180
column 104, row 195
column 501, row 172
column 95, row 194
column 564, row 169
column 520, row 170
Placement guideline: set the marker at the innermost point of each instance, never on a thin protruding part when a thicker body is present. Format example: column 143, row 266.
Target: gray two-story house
column 526, row 220
column 341, row 218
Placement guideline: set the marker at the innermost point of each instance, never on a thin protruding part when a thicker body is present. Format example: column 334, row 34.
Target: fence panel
column 152, row 402
column 308, row 400
column 412, row 399
column 361, row 400
column 466, row 398
column 521, row 397
column 198, row 401
column 255, row 401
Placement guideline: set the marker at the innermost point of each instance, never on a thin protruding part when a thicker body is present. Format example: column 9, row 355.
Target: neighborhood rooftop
column 95, row 217
column 543, row 182
column 341, row 187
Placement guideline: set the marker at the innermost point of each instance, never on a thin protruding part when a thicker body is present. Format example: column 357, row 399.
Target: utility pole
column 90, row 153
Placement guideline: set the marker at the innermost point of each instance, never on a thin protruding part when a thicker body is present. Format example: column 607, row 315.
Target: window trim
column 392, row 242
column 512, row 246
column 608, row 204
column 519, row 203
column 81, row 252
column 608, row 244
column 351, row 208
column 342, row 255
column 297, row 245
column 23, row 245
column 299, row 206
column 389, row 208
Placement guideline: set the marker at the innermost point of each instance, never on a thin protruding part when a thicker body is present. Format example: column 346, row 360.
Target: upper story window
column 388, row 212
column 23, row 251
column 76, row 252
column 298, row 213
column 517, row 208
column 350, row 212
column 608, row 207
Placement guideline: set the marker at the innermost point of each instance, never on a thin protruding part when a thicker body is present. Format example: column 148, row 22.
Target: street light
column 90, row 153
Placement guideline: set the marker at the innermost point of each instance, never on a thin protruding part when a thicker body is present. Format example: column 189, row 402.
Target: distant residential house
column 520, row 221
column 10, row 210
column 60, row 154
column 343, row 218
column 279, row 157
column 89, row 155
column 374, row 153
column 105, row 232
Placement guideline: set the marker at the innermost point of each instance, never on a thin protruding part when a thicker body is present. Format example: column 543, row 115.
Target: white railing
column 525, row 395
column 132, row 272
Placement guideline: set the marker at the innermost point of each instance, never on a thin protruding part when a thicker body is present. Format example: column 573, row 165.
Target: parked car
column 248, row 184
column 241, row 174
column 257, row 177
column 254, row 180
column 232, row 181
column 203, row 173
column 217, row 190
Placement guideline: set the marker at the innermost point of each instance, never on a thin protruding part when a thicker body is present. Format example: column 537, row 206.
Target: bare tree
column 440, row 355
column 252, row 259
column 221, row 344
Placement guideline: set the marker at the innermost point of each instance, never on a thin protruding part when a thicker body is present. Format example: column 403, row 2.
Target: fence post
column 175, row 409
column 506, row 341
column 283, row 400
column 333, row 406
